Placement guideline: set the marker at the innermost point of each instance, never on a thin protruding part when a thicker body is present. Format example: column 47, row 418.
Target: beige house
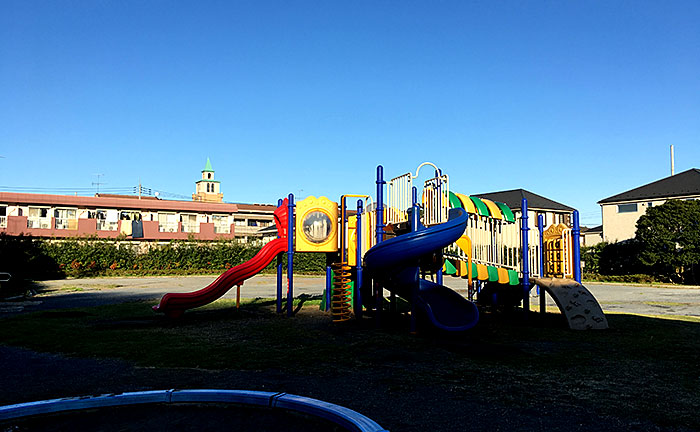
column 591, row 236
column 621, row 211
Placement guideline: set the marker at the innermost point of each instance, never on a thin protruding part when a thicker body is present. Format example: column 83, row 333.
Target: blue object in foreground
column 347, row 418
column 394, row 263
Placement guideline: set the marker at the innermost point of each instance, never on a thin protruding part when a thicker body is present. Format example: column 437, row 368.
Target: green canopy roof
column 208, row 167
column 480, row 206
column 507, row 213
column 454, row 201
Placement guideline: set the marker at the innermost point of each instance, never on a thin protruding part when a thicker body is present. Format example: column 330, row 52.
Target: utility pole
column 673, row 162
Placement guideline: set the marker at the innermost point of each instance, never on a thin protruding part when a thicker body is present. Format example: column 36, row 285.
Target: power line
column 134, row 190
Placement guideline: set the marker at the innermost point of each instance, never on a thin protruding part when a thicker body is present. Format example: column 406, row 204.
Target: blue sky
column 576, row 101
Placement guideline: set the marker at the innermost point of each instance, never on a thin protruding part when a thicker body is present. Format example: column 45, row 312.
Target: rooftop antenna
column 673, row 168
column 98, row 182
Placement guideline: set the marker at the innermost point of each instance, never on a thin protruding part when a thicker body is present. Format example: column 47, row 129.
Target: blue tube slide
column 394, row 262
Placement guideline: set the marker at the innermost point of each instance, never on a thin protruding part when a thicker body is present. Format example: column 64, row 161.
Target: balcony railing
column 190, row 227
column 222, row 229
column 103, row 225
column 39, row 222
column 3, row 221
column 167, row 226
column 66, row 223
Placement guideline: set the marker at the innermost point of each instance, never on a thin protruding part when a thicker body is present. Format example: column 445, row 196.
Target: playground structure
column 408, row 247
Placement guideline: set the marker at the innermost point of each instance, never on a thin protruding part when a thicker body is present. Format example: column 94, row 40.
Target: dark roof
column 268, row 230
column 679, row 185
column 119, row 203
column 596, row 229
column 513, row 199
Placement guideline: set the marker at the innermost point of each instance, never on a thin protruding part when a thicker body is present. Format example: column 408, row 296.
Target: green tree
column 669, row 239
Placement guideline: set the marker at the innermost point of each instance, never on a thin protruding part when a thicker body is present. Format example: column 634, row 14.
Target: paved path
column 69, row 293
column 644, row 300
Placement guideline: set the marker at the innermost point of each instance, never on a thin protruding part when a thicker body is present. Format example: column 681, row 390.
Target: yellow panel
column 466, row 203
column 482, row 272
column 463, row 269
column 465, row 244
column 493, row 208
column 503, row 277
column 352, row 240
column 316, row 225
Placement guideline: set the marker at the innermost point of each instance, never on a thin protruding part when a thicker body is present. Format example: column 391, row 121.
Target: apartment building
column 206, row 217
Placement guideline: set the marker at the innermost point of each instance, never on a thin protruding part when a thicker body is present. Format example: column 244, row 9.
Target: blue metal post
column 358, row 272
column 329, row 285
column 279, row 272
column 415, row 211
column 576, row 234
column 379, row 232
column 290, row 256
column 414, row 298
column 524, row 229
column 344, row 242
column 438, row 274
column 540, row 291
column 415, row 224
column 380, row 204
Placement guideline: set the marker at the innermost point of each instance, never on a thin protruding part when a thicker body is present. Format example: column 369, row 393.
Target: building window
column 130, row 215
column 221, row 225
column 66, row 218
column 107, row 220
column 167, row 222
column 209, row 176
column 189, row 223
column 3, row 216
column 39, row 218
column 627, row 208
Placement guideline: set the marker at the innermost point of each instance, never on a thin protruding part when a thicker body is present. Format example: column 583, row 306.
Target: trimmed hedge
column 35, row 259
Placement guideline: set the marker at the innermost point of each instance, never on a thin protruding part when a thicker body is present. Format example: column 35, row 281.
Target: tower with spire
column 207, row 189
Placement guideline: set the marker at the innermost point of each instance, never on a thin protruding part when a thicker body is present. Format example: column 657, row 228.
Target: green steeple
column 208, row 167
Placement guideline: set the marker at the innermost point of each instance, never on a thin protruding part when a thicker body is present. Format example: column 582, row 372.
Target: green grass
column 643, row 367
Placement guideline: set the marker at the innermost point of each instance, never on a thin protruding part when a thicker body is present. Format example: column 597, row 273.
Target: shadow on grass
column 642, row 366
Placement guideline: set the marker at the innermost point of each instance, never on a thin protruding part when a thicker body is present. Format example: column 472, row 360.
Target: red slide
column 174, row 305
